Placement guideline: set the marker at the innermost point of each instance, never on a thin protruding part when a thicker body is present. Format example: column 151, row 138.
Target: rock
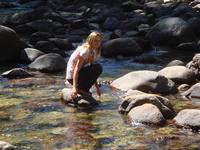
column 121, row 46
column 80, row 100
column 194, row 65
column 40, row 36
column 6, row 146
column 188, row 118
column 145, row 81
column 178, row 74
column 10, row 45
column 63, row 44
column 183, row 87
column 170, row 32
column 163, row 104
column 45, row 46
column 192, row 92
column 16, row 73
column 146, row 114
column 111, row 23
column 48, row 63
column 175, row 63
column 30, row 54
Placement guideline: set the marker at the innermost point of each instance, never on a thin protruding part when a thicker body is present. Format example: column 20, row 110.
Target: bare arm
column 77, row 68
column 97, row 90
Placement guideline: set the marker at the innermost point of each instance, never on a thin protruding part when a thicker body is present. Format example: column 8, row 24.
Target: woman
column 82, row 73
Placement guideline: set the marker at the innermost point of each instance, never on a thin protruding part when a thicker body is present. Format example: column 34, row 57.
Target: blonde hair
column 89, row 43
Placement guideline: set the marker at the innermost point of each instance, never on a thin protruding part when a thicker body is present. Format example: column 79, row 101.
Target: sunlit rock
column 145, row 81
column 16, row 73
column 7, row 146
column 178, row 74
column 188, row 118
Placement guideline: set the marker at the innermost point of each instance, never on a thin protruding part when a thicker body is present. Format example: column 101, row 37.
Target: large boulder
column 178, row 74
column 10, row 45
column 146, row 114
column 146, row 81
column 48, row 63
column 188, row 118
column 170, row 32
column 121, row 46
column 132, row 101
column 80, row 100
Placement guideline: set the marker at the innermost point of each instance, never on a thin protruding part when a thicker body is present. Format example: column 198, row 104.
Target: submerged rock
column 188, row 118
column 80, row 100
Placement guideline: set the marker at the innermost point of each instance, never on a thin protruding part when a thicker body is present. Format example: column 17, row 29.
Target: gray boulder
column 30, row 54
column 146, row 81
column 163, row 104
column 188, row 118
column 80, row 100
column 121, row 46
column 170, row 32
column 10, row 45
column 16, row 73
column 146, row 114
column 178, row 74
column 48, row 63
column 194, row 65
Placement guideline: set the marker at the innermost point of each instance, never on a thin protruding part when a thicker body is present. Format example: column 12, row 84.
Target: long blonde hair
column 89, row 44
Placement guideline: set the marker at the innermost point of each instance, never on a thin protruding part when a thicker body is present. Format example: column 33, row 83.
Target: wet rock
column 44, row 25
column 194, row 65
column 131, row 5
column 146, row 81
column 170, row 31
column 188, row 118
column 40, row 36
column 80, row 100
column 7, row 146
column 192, row 92
column 10, row 45
column 16, row 73
column 132, row 101
column 146, row 114
column 183, row 87
column 175, row 63
column 111, row 23
column 121, row 46
column 48, row 63
column 45, row 46
column 188, row 47
column 178, row 74
column 63, row 44
column 30, row 54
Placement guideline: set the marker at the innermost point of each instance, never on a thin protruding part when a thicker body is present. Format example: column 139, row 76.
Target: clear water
column 33, row 117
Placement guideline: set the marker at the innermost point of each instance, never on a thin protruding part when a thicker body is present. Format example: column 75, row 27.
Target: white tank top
column 80, row 51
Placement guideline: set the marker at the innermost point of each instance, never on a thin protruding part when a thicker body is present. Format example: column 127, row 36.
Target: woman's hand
column 74, row 93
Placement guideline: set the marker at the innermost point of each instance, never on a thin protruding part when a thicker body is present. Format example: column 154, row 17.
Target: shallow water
column 33, row 117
